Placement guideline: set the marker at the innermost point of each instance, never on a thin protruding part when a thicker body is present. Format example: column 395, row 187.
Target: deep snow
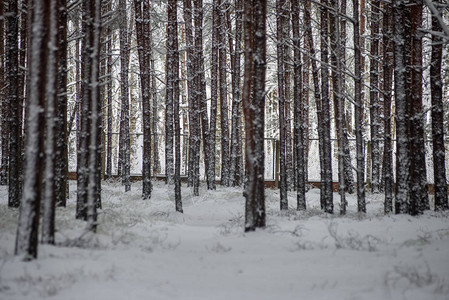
column 145, row 250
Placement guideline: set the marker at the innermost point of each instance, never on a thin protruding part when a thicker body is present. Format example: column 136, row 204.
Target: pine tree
column 253, row 106
column 29, row 213
column 4, row 104
column 439, row 171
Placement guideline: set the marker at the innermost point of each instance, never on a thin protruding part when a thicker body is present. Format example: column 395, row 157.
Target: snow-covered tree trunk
column 4, row 105
column 51, row 134
column 94, row 12
column 436, row 90
column 316, row 93
column 387, row 168
column 419, row 198
column 358, row 114
column 402, row 200
column 337, row 93
column 254, row 107
column 61, row 168
column 298, row 142
column 13, row 93
column 374, row 96
column 236, row 96
column 326, row 188
column 29, row 213
column 142, row 15
column 125, row 147
column 280, row 52
column 109, row 63
column 213, row 95
column 223, row 90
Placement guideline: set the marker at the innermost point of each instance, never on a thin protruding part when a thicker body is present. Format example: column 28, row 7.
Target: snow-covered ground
column 145, row 250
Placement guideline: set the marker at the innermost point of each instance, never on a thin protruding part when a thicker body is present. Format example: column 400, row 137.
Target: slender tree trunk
column 109, row 64
column 334, row 22
column 358, row 114
column 51, row 134
column 436, row 90
column 236, row 101
column 214, row 94
column 4, row 104
column 387, row 168
column 317, row 95
column 13, row 94
column 28, row 225
column 253, row 105
column 298, row 144
column 374, row 97
column 280, row 51
column 224, row 119
column 142, row 15
column 419, row 198
column 61, row 168
column 402, row 141
column 125, row 148
column 325, row 110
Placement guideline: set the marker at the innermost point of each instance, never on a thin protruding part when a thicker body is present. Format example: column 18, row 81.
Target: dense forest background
column 234, row 92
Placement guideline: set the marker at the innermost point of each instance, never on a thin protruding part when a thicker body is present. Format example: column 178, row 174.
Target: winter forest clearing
column 146, row 250
column 221, row 99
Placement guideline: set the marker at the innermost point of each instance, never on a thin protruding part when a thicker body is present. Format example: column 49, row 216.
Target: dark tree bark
column 13, row 93
column 224, row 119
column 62, row 163
column 51, row 134
column 337, row 91
column 125, row 147
column 142, row 15
column 436, row 90
column 169, row 94
column 298, row 144
column 214, row 95
column 360, row 156
column 109, row 64
column 280, row 51
column 387, row 168
column 235, row 171
column 253, row 106
column 28, row 225
column 402, row 116
column 374, row 97
column 419, row 198
column 317, row 95
column 4, row 104
column 326, row 188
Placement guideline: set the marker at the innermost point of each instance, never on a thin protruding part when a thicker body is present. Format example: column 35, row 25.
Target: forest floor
column 145, row 250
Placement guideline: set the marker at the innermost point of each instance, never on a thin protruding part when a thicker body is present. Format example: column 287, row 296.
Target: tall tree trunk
column 142, row 15
column 109, row 65
column 125, row 148
column 254, row 105
column 436, row 90
column 326, row 189
column 236, row 101
column 28, row 225
column 51, row 134
column 334, row 22
column 62, row 163
column 224, row 120
column 4, row 103
column 358, row 114
column 13, row 94
column 374, row 97
column 280, row 51
column 317, row 95
column 402, row 140
column 214, row 94
column 419, row 198
column 298, row 144
column 387, row 168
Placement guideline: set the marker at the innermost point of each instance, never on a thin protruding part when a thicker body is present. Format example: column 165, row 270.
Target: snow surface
column 145, row 250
